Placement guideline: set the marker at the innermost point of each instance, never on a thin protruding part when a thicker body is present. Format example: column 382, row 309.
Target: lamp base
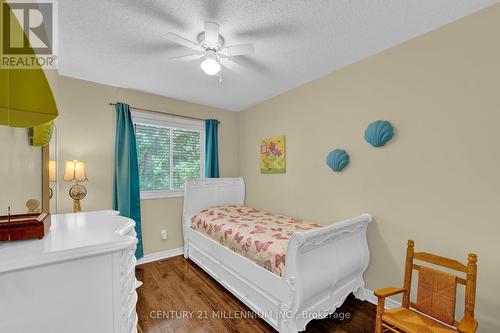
column 77, row 192
column 77, row 207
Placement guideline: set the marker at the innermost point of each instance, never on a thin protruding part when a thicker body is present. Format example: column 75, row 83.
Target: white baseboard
column 160, row 255
column 389, row 302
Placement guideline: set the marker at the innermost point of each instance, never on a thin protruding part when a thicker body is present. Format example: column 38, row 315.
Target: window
column 169, row 150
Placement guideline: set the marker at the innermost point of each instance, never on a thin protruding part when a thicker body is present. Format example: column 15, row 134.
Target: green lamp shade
column 26, row 99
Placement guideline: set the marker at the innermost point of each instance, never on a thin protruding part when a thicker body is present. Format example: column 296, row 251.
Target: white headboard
column 203, row 193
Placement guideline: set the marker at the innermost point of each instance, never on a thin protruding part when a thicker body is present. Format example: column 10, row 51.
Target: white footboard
column 323, row 267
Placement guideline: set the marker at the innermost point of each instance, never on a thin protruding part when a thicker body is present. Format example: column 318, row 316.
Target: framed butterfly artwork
column 272, row 155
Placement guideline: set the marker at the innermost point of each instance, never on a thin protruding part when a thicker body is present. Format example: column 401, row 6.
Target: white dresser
column 80, row 278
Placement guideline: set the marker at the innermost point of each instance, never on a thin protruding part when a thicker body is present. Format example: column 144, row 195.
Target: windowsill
column 147, row 195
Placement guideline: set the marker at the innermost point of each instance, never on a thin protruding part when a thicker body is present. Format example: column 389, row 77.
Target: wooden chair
column 435, row 297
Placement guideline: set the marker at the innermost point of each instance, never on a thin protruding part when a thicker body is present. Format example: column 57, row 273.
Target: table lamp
column 74, row 171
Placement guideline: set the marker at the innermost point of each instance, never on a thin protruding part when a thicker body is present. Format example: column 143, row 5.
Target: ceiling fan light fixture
column 211, row 48
column 211, row 64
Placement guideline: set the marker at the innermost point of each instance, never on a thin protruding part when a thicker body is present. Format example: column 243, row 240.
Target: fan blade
column 250, row 63
column 228, row 63
column 271, row 30
column 188, row 57
column 183, row 41
column 236, row 50
column 211, row 34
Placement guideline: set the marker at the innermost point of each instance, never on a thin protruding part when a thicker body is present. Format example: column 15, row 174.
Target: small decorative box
column 24, row 226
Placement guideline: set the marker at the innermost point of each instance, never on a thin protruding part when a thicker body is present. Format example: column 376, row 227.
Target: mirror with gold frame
column 26, row 185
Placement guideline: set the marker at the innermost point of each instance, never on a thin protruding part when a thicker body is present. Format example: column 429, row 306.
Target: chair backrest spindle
column 408, row 273
column 470, row 287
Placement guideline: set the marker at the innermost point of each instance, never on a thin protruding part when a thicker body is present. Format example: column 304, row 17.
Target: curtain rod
column 160, row 112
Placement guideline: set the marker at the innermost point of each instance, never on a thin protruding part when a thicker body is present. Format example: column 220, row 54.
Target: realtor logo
column 28, row 31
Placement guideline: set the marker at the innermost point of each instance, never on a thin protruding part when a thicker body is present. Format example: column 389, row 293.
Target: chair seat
column 412, row 322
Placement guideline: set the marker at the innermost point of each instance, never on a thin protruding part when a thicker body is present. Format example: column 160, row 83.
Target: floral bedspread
column 259, row 236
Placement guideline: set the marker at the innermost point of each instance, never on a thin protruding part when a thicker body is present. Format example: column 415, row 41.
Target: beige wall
column 86, row 131
column 437, row 182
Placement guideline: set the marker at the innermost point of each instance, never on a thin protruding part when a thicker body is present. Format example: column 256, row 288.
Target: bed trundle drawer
column 261, row 302
column 211, row 266
column 249, row 293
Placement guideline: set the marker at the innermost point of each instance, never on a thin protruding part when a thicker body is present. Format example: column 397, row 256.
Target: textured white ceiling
column 122, row 42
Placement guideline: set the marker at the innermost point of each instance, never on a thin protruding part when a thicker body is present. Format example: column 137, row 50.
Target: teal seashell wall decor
column 378, row 133
column 337, row 159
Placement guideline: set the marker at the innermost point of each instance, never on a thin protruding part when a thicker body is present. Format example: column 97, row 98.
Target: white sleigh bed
column 323, row 266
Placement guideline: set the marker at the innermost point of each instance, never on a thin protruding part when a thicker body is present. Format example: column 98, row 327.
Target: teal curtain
column 126, row 190
column 211, row 148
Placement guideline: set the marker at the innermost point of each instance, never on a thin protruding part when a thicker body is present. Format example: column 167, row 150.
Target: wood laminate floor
column 178, row 296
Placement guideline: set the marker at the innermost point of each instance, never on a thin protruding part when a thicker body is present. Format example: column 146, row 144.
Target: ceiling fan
column 211, row 48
